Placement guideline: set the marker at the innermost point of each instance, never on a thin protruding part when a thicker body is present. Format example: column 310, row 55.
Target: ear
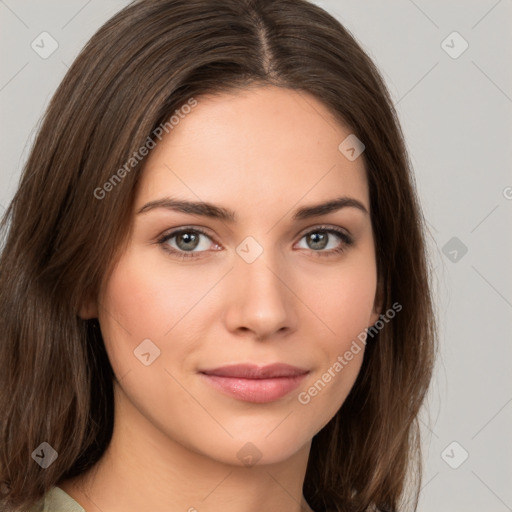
column 378, row 302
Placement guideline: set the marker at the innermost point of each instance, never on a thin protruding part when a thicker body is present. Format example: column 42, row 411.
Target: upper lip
column 252, row 371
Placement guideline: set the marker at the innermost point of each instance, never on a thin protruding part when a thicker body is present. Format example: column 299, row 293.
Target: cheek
column 343, row 301
column 341, row 358
column 135, row 306
column 149, row 298
column 342, row 297
column 144, row 299
column 130, row 301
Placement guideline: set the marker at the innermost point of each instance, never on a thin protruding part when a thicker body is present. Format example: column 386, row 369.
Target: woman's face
column 269, row 285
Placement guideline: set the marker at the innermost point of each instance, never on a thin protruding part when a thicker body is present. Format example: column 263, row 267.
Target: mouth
column 257, row 384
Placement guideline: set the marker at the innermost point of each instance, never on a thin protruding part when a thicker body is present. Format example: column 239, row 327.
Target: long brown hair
column 60, row 239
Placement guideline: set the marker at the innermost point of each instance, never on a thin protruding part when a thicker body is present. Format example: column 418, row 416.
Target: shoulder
column 56, row 500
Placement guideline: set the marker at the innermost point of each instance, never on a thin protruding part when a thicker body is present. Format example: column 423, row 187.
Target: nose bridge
column 261, row 300
column 262, row 275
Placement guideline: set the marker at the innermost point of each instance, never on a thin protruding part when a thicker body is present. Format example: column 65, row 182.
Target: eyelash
column 347, row 241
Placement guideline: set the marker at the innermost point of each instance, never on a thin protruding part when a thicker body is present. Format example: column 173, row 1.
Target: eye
column 321, row 237
column 187, row 240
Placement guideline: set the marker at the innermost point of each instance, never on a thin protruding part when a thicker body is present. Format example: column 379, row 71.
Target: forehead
column 254, row 148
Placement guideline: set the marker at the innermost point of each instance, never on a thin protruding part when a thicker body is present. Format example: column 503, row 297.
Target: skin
column 262, row 152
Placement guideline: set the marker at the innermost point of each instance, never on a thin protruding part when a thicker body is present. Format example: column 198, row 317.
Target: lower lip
column 255, row 390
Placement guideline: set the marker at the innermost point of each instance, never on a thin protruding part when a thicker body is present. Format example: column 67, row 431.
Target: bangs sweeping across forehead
column 70, row 218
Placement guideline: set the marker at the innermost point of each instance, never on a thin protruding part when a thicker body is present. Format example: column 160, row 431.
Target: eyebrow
column 217, row 212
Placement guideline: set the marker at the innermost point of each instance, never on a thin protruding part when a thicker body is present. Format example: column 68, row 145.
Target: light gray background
column 456, row 114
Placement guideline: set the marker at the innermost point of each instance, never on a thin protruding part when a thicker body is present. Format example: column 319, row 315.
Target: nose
column 261, row 299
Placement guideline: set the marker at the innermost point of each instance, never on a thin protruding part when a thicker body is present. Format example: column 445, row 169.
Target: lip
column 252, row 383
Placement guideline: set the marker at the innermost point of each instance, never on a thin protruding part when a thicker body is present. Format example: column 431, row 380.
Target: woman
column 214, row 286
